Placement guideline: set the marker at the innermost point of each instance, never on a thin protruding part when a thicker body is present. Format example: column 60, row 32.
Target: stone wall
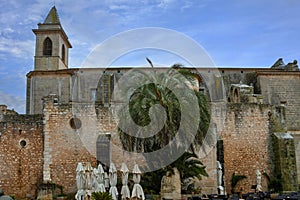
column 41, row 84
column 71, row 133
column 208, row 184
column 285, row 161
column 208, row 152
column 66, row 141
column 240, row 75
column 21, row 154
column 282, row 88
column 246, row 139
column 78, row 84
column 296, row 136
column 63, row 147
column 65, row 144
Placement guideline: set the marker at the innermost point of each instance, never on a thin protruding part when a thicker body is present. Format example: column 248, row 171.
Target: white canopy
column 125, row 190
column 137, row 190
column 113, row 181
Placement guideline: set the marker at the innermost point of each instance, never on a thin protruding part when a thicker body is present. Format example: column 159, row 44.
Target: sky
column 234, row 33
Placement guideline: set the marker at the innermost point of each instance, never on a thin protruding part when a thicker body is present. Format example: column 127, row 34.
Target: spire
column 52, row 17
column 52, row 25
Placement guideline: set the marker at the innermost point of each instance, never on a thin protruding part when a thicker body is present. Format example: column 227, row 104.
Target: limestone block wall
column 53, row 62
column 70, row 136
column 209, row 184
column 47, row 63
column 239, row 75
column 296, row 136
column 209, row 154
column 63, row 147
column 285, row 160
column 21, row 154
column 246, row 139
column 283, row 88
column 41, row 84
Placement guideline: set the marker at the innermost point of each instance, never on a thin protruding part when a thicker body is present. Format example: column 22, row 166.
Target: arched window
column 63, row 53
column 47, row 48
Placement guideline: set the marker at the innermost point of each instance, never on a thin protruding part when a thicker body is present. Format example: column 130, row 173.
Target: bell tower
column 52, row 44
column 51, row 75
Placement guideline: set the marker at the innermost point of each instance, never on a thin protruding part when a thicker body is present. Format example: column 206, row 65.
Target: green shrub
column 234, row 180
column 101, row 196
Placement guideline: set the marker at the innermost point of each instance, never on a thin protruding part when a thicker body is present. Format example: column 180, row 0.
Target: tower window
column 47, row 48
column 63, row 53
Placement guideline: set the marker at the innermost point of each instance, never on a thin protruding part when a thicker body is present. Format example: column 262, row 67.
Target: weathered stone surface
column 283, row 88
column 285, row 160
column 246, row 140
column 21, row 155
column 296, row 136
column 171, row 185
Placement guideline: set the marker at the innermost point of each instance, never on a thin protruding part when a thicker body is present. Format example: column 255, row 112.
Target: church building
column 70, row 118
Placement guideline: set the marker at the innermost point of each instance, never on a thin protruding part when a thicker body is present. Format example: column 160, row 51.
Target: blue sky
column 235, row 33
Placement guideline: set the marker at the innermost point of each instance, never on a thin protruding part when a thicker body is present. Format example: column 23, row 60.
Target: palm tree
column 174, row 90
column 158, row 92
column 189, row 167
column 101, row 196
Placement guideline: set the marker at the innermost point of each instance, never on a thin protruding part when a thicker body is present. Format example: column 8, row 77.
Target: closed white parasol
column 137, row 191
column 88, row 178
column 125, row 190
column 80, row 182
column 99, row 179
column 113, row 178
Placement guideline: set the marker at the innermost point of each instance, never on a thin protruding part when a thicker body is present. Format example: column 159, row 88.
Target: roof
column 52, row 17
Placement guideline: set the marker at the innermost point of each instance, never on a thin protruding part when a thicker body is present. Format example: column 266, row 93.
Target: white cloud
column 9, row 17
column 118, row 7
column 164, row 3
column 13, row 102
column 17, row 48
column 7, row 30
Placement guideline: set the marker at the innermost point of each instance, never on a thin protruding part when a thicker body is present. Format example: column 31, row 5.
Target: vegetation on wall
column 275, row 183
column 275, row 125
column 188, row 165
column 284, row 167
column 234, row 181
column 281, row 148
